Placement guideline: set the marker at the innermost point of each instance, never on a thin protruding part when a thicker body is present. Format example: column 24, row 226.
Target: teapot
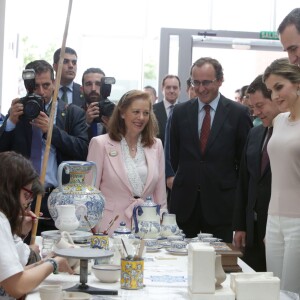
column 146, row 219
column 66, row 220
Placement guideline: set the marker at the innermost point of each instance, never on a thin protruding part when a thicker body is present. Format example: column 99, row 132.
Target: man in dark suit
column 254, row 185
column 26, row 135
column 69, row 90
column 170, row 88
column 205, row 180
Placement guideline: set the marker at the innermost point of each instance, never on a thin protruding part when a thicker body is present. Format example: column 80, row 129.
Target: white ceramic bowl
column 107, row 273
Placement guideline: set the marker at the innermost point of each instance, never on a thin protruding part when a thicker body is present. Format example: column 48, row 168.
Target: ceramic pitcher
column 66, row 220
column 169, row 225
column 146, row 219
column 88, row 200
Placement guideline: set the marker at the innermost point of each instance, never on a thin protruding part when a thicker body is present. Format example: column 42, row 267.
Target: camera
column 32, row 103
column 105, row 105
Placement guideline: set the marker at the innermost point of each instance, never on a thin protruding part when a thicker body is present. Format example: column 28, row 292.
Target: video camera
column 105, row 105
column 32, row 103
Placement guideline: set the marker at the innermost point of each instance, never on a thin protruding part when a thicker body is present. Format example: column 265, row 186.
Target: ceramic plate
column 178, row 252
column 76, row 296
column 153, row 249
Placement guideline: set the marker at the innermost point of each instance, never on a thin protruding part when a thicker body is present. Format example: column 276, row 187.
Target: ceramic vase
column 89, row 202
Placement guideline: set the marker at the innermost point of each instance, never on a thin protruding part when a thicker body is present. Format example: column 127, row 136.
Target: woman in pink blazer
column 130, row 160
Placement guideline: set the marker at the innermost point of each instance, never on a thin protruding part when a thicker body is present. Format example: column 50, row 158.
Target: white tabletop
column 165, row 277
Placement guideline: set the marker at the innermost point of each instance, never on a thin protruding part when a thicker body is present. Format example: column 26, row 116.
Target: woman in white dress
column 283, row 225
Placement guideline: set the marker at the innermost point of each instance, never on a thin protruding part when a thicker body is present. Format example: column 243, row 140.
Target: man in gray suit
column 69, row 90
column 170, row 88
column 206, row 168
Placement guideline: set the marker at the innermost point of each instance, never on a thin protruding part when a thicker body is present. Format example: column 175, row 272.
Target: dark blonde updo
column 116, row 126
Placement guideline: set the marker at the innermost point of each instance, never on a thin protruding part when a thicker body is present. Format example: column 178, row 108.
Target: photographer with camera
column 25, row 129
column 96, row 88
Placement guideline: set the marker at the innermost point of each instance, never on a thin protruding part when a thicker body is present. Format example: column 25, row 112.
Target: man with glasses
column 69, row 90
column 27, row 135
column 207, row 137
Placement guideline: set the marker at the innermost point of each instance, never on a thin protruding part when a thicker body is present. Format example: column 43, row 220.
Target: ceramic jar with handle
column 66, row 220
column 146, row 219
column 89, row 201
column 169, row 225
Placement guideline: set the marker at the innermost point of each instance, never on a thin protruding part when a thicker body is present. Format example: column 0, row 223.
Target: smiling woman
column 283, row 225
column 130, row 160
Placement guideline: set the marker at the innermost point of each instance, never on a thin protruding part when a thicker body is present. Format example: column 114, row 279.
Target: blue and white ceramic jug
column 89, row 201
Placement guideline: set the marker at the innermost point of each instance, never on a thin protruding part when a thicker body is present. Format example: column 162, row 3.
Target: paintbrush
column 111, row 223
column 124, row 248
column 92, row 229
column 40, row 218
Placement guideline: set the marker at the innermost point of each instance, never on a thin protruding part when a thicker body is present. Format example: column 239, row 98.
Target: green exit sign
column 269, row 35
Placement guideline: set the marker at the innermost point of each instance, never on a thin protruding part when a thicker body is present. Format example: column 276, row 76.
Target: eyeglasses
column 28, row 194
column 204, row 83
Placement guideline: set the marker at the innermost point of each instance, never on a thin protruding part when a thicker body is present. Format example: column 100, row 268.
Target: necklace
column 133, row 148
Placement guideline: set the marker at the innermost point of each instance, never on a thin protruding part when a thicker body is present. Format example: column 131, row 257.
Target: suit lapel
column 114, row 153
column 61, row 114
column 192, row 111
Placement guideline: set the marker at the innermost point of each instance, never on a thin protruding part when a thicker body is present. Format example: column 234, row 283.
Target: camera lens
column 32, row 109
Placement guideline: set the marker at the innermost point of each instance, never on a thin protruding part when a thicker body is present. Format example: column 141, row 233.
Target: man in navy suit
column 204, row 186
column 24, row 135
column 72, row 89
column 170, row 88
column 254, row 185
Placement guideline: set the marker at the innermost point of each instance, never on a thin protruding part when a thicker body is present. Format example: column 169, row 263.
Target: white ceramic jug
column 66, row 242
column 169, row 225
column 66, row 220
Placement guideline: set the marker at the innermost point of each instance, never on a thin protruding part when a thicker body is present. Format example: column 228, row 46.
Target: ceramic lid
column 148, row 202
column 122, row 230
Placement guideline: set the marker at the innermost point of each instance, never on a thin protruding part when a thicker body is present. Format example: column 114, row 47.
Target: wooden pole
column 51, row 122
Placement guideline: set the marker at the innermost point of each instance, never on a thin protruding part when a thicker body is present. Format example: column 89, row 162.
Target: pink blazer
column 113, row 181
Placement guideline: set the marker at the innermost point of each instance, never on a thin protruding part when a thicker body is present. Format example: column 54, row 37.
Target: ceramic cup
column 100, row 240
column 151, row 243
column 51, row 292
column 132, row 274
column 178, row 245
column 171, row 238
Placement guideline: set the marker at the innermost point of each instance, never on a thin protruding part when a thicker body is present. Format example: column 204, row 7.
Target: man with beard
column 91, row 87
column 289, row 35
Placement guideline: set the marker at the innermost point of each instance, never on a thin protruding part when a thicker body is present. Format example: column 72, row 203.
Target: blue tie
column 36, row 148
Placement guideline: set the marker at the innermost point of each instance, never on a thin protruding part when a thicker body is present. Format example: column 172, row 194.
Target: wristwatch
column 54, row 263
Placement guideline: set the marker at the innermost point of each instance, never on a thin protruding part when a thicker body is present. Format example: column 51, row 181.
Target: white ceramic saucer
column 177, row 252
column 153, row 249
